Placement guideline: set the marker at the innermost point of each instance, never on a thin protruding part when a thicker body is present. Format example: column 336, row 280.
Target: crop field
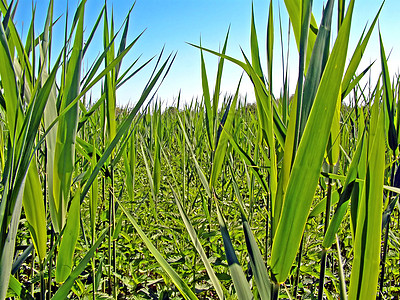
column 295, row 196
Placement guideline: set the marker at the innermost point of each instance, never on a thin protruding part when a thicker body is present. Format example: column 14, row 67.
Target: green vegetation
column 286, row 198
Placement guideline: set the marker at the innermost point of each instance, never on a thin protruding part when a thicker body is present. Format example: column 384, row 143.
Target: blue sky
column 172, row 23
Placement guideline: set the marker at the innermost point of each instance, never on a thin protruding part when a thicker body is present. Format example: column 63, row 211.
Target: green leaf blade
column 306, row 168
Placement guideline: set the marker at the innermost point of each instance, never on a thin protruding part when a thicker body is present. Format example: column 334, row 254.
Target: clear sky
column 174, row 22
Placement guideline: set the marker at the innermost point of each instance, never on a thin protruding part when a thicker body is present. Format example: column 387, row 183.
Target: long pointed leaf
column 306, row 168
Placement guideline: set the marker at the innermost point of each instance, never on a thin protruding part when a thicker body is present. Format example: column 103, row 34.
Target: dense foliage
column 291, row 196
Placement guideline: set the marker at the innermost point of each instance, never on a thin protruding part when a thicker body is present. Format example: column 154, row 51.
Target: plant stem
column 322, row 274
column 93, row 266
column 266, row 235
column 103, row 192
column 112, row 245
column 383, row 260
column 342, row 280
column 32, row 271
column 275, row 291
column 325, row 251
column 296, row 283
column 50, row 264
column 194, row 272
column 42, row 283
column 385, row 243
column 110, row 232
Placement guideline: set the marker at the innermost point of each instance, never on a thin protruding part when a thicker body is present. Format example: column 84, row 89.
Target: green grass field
column 291, row 197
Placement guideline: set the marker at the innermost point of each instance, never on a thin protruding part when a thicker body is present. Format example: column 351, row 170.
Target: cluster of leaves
column 287, row 197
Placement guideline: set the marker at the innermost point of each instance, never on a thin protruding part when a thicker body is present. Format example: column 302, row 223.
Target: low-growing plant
column 290, row 196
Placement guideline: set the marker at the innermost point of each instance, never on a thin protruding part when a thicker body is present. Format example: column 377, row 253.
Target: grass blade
column 222, row 142
column 197, row 245
column 301, row 188
column 389, row 101
column 341, row 209
column 256, row 261
column 179, row 283
column 64, row 154
column 294, row 10
column 65, row 258
column 317, row 64
column 239, row 279
column 357, row 55
column 64, row 290
column 367, row 245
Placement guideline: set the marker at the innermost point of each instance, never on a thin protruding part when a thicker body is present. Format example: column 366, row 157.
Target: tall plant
column 306, row 138
column 31, row 94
